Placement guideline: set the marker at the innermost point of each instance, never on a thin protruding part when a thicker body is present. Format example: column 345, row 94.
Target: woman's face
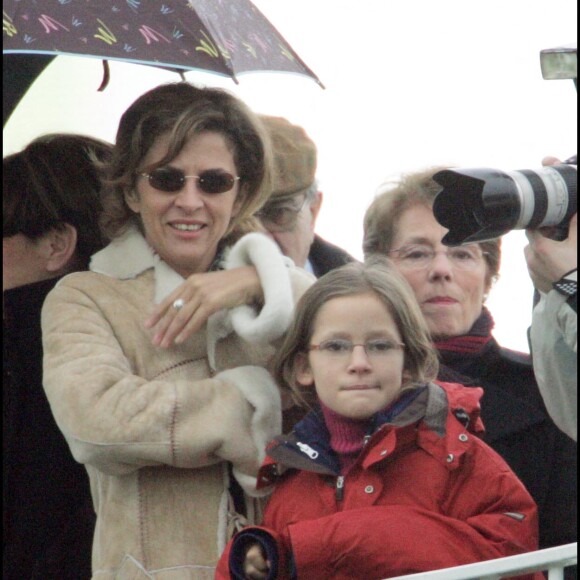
column 185, row 227
column 451, row 298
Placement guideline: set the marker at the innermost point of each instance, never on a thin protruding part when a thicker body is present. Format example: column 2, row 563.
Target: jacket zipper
column 340, row 478
column 340, row 488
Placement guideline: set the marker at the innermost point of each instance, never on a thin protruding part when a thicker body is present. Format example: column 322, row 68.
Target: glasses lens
column 281, row 216
column 167, row 179
column 214, row 181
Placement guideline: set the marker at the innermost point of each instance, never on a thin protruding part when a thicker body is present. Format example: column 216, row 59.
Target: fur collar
column 130, row 255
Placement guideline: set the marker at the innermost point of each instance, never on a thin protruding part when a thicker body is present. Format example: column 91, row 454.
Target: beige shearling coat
column 155, row 427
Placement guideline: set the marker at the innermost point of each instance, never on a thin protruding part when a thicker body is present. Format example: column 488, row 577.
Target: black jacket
column 48, row 515
column 519, row 428
column 324, row 256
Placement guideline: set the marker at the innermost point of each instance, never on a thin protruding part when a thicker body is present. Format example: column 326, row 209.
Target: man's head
column 290, row 213
column 51, row 207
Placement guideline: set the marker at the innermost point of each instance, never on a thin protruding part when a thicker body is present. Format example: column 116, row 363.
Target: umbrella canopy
column 227, row 37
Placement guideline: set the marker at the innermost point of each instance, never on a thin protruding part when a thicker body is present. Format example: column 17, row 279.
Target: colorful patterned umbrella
column 227, row 37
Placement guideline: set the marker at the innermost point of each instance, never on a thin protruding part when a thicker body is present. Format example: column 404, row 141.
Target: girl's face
column 185, row 227
column 354, row 384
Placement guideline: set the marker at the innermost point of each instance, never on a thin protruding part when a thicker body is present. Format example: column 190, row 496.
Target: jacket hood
column 432, row 417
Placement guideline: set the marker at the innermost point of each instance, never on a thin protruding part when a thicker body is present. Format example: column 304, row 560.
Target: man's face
column 290, row 222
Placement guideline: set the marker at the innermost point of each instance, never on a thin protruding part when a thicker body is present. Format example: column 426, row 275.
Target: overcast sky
column 409, row 84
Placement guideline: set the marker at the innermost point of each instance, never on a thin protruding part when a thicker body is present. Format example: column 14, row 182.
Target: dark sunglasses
column 171, row 179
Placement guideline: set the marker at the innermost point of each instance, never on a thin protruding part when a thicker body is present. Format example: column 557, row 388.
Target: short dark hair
column 52, row 182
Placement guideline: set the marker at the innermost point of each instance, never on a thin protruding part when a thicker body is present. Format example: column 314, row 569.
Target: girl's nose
column 359, row 360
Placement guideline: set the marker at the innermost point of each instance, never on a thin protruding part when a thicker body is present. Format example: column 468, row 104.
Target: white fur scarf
column 275, row 316
column 130, row 255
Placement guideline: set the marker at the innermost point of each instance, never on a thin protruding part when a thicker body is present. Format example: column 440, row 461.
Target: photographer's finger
column 550, row 160
column 533, row 235
column 573, row 229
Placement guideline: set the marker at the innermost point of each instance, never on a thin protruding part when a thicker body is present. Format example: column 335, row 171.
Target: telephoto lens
column 482, row 204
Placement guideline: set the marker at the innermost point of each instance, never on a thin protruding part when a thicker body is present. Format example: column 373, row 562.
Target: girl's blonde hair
column 376, row 276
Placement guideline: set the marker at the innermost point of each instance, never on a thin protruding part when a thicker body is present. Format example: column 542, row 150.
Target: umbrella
column 224, row 36
column 227, row 37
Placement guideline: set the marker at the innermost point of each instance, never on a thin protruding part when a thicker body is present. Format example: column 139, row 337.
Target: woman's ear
column 238, row 204
column 60, row 247
column 133, row 201
column 304, row 376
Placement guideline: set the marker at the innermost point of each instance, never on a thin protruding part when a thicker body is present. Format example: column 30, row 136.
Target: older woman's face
column 450, row 297
column 185, row 227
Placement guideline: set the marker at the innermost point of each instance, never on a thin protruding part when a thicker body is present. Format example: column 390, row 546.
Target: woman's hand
column 202, row 295
column 256, row 567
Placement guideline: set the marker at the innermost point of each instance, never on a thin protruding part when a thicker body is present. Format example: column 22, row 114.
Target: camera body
column 480, row 204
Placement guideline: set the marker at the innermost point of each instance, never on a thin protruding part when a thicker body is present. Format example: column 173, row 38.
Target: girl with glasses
column 156, row 360
column 387, row 474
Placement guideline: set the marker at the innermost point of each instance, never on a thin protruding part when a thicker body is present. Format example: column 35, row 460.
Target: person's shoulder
column 99, row 287
column 325, row 256
column 515, row 357
column 324, row 247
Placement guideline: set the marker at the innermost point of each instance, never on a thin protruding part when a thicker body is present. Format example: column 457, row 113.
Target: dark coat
column 324, row 256
column 424, row 494
column 47, row 508
column 519, row 428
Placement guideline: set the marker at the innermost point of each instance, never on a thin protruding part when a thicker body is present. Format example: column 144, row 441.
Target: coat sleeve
column 553, row 337
column 487, row 514
column 231, row 562
column 118, row 421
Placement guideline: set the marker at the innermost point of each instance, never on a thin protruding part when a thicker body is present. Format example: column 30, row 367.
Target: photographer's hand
column 548, row 260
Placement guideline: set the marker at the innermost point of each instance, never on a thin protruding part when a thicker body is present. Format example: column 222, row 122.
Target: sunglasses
column 171, row 180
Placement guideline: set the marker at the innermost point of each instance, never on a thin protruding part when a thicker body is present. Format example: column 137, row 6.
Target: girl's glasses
column 341, row 348
column 171, row 180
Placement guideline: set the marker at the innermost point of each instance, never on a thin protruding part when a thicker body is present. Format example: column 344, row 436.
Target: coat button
column 450, row 458
column 369, row 489
column 463, row 437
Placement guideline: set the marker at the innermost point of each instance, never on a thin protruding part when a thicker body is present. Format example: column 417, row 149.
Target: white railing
column 552, row 560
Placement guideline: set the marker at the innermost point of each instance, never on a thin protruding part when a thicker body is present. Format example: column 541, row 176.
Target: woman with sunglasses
column 165, row 422
column 451, row 285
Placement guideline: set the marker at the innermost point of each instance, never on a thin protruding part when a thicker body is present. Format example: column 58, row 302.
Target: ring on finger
column 178, row 304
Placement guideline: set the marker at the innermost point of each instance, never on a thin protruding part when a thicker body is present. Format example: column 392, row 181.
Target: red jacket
column 424, row 494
